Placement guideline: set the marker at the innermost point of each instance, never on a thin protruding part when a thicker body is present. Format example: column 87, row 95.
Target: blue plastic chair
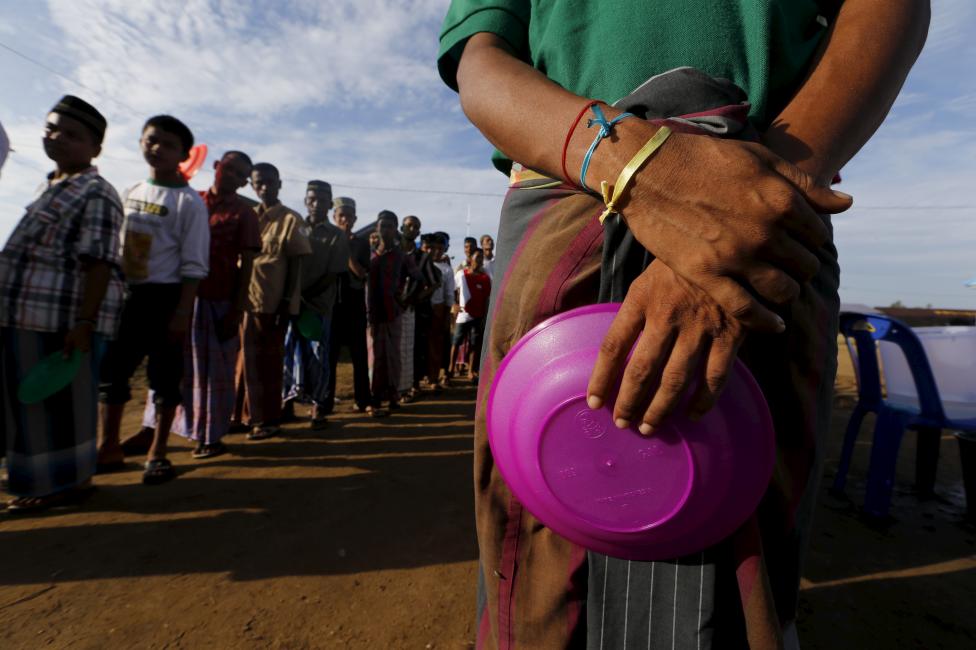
column 928, row 418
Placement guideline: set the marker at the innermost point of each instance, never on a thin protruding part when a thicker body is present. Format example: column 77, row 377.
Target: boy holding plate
column 60, row 292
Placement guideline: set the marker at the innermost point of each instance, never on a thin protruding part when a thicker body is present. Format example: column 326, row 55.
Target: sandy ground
column 360, row 536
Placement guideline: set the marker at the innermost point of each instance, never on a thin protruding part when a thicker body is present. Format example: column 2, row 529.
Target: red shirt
column 479, row 285
column 233, row 230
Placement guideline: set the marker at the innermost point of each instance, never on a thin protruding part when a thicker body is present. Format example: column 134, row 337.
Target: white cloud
column 343, row 90
column 348, row 91
column 248, row 57
column 951, row 25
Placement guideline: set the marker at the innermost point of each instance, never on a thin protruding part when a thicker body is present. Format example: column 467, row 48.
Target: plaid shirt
column 73, row 220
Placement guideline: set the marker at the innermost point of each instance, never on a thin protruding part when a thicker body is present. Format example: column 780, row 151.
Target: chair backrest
column 885, row 328
column 855, row 327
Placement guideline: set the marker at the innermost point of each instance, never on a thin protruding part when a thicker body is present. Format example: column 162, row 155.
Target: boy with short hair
column 442, row 302
column 60, row 291
column 412, row 291
column 387, row 271
column 235, row 240
column 349, row 323
column 210, row 357
column 470, row 246
column 474, row 289
column 488, row 246
column 307, row 362
column 424, row 261
column 165, row 255
column 274, row 293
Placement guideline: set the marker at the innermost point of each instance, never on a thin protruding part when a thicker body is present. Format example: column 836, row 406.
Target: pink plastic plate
column 685, row 488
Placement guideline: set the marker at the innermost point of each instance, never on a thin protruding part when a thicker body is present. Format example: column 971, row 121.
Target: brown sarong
column 260, row 369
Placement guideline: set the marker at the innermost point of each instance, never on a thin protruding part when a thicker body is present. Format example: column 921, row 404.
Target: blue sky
column 347, row 91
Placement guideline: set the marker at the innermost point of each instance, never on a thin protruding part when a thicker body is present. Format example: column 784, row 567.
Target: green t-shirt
column 604, row 50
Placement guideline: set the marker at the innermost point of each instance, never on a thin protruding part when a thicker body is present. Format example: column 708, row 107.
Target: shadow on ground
column 361, row 495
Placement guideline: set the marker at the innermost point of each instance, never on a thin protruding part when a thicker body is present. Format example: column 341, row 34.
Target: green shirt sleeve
column 509, row 19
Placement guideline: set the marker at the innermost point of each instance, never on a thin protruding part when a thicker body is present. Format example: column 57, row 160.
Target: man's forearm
column 852, row 84
column 500, row 94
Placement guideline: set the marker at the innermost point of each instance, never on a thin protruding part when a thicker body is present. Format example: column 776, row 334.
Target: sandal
column 158, row 471
column 263, row 433
column 377, row 412
column 209, row 450
column 27, row 505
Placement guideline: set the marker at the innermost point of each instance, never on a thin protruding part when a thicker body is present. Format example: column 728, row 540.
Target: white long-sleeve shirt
column 444, row 295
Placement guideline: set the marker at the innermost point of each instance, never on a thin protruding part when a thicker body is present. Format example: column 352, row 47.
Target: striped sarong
column 408, row 324
column 385, row 339
column 538, row 590
column 49, row 445
column 306, row 367
column 208, row 381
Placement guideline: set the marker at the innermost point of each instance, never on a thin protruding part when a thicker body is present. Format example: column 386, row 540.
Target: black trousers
column 144, row 332
column 349, row 330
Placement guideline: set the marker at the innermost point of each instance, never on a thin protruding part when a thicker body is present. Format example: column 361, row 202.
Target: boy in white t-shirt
column 165, row 255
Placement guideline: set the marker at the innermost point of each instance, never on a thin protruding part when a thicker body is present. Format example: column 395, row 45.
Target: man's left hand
column 684, row 337
column 79, row 337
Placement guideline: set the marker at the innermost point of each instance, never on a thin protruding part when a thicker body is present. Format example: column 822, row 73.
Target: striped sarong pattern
column 408, row 324
column 49, row 445
column 208, row 378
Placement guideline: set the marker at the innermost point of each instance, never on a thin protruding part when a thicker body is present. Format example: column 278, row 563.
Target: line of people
column 238, row 310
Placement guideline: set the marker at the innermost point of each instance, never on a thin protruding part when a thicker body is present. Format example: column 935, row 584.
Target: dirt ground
column 360, row 536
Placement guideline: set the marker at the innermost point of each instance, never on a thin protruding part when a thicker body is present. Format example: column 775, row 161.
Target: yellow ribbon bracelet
column 627, row 173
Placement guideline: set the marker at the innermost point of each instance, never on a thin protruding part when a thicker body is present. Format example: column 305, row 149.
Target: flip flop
column 209, row 451
column 71, row 496
column 263, row 433
column 158, row 471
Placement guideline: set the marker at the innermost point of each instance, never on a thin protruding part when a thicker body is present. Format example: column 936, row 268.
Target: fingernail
column 842, row 195
column 594, row 402
column 645, row 429
column 780, row 325
column 621, row 423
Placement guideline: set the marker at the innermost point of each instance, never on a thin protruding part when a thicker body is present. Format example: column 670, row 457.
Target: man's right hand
column 730, row 217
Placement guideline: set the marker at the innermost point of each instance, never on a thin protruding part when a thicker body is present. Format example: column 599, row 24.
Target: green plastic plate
column 310, row 325
column 51, row 374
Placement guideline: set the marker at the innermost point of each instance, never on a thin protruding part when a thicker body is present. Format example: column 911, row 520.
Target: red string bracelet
column 569, row 136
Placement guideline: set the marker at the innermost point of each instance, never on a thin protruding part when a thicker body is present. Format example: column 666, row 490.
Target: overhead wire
column 134, row 112
column 55, row 72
